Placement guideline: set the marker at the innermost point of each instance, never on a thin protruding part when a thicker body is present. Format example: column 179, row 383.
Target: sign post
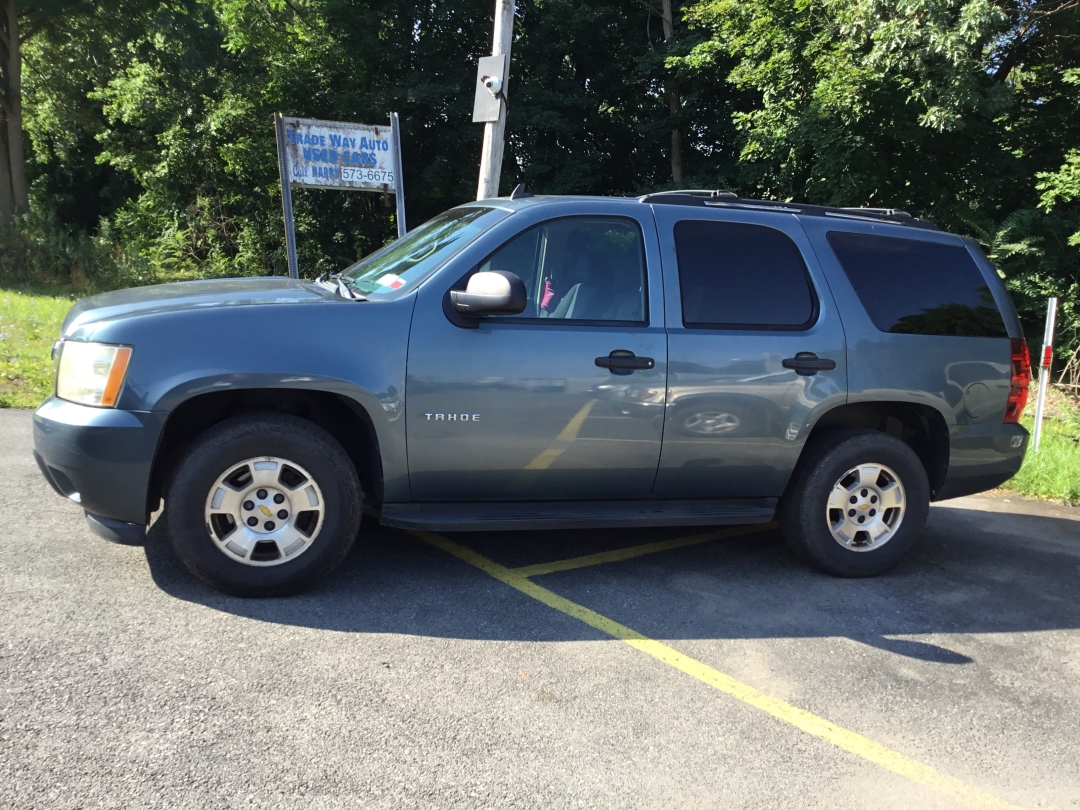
column 399, row 193
column 286, row 196
column 337, row 155
column 1044, row 370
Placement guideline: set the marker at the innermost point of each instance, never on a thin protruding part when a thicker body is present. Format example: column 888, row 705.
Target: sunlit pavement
column 477, row 670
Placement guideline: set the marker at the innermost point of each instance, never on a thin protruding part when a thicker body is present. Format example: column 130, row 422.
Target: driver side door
column 526, row 407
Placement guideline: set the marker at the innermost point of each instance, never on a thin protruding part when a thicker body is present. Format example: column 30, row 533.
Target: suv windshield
column 401, row 265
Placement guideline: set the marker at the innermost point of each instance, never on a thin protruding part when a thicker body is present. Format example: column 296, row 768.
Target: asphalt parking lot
column 479, row 671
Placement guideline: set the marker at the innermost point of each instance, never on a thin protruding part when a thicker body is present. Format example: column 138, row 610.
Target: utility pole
column 495, row 131
column 671, row 88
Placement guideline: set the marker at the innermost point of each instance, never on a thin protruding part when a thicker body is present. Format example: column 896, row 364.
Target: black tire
column 247, row 437
column 803, row 511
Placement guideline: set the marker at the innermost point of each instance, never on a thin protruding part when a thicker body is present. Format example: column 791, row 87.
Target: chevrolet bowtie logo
column 864, row 506
column 265, row 511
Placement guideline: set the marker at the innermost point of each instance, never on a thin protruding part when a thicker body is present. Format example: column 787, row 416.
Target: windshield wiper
column 346, row 287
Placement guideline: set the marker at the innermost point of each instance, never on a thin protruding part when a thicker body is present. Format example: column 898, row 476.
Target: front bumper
column 101, row 458
column 982, row 457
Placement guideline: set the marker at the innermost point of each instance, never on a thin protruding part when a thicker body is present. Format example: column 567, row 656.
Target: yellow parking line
column 620, row 554
column 570, row 432
column 792, row 715
column 567, row 434
column 544, row 460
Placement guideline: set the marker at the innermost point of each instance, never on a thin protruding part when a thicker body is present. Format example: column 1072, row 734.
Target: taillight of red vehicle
column 1021, row 379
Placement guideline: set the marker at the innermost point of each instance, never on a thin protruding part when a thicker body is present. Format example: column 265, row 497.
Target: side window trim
column 815, row 300
column 466, row 321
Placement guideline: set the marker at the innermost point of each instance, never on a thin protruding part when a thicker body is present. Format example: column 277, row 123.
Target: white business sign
column 336, row 155
column 331, row 154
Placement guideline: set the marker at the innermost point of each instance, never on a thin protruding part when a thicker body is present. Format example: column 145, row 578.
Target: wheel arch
column 342, row 417
column 921, row 427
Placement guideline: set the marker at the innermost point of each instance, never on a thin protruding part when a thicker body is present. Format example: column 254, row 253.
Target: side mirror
column 496, row 292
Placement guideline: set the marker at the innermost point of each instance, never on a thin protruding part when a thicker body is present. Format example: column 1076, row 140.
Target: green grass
column 29, row 323
column 1053, row 473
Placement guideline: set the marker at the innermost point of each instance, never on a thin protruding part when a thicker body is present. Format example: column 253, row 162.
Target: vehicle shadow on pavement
column 970, row 572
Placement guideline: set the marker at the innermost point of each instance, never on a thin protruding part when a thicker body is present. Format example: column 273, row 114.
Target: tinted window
column 918, row 288
column 578, row 268
column 736, row 276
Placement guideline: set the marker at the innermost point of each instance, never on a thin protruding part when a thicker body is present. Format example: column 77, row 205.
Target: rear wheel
column 856, row 503
column 263, row 505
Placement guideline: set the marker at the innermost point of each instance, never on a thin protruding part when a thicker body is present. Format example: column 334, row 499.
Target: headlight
column 91, row 373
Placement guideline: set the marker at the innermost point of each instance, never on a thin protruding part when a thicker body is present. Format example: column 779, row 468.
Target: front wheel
column 263, row 505
column 856, row 504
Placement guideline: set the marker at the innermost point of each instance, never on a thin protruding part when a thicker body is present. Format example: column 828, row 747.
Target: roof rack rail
column 722, row 198
column 696, row 193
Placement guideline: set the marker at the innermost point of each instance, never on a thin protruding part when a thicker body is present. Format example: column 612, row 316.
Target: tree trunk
column 7, row 199
column 674, row 100
column 14, row 118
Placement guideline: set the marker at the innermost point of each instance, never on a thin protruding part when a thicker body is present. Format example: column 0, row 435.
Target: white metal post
column 1044, row 369
column 286, row 197
column 495, row 131
column 399, row 181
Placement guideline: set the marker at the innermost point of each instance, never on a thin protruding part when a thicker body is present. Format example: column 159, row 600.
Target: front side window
column 738, row 276
column 403, row 264
column 578, row 269
column 914, row 287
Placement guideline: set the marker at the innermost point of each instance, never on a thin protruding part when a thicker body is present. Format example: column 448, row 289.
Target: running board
column 474, row 517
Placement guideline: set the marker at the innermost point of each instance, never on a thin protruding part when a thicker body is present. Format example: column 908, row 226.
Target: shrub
column 38, row 252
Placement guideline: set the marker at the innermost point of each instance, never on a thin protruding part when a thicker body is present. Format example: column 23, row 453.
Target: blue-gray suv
column 685, row 358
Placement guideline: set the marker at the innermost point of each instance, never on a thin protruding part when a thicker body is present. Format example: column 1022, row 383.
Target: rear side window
column 738, row 276
column 918, row 288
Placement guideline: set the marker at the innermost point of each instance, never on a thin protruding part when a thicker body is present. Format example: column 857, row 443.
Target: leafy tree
column 149, row 122
column 182, row 109
column 20, row 23
column 941, row 107
column 583, row 113
column 1062, row 187
column 177, row 105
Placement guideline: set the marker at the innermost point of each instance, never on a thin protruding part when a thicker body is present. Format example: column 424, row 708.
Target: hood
column 188, row 295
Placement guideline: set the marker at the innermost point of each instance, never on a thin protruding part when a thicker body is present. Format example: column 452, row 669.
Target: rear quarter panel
column 965, row 379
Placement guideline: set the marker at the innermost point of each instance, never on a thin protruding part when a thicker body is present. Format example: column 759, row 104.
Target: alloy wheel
column 264, row 511
column 866, row 507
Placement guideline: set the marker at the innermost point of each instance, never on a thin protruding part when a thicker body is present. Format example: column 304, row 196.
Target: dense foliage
column 963, row 111
column 163, row 123
column 150, row 149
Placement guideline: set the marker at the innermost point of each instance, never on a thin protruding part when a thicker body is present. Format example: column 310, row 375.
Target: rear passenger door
column 756, row 351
